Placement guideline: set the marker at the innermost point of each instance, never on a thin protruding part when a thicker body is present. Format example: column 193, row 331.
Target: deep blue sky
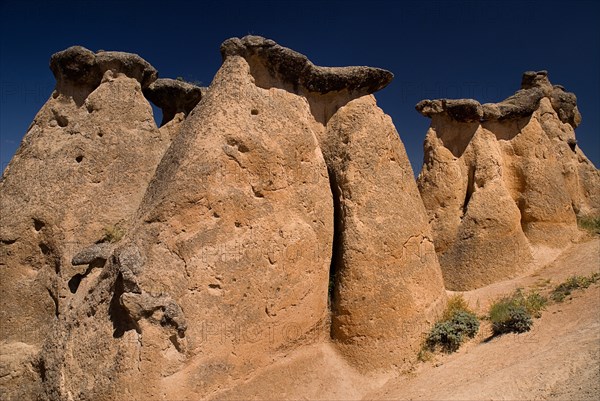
column 455, row 49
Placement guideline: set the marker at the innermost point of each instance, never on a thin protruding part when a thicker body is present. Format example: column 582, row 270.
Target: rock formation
column 500, row 178
column 77, row 179
column 179, row 273
column 173, row 97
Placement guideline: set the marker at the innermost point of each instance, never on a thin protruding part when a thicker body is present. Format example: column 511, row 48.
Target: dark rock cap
column 173, row 96
column 80, row 66
column 534, row 86
column 296, row 69
column 465, row 110
column 535, row 79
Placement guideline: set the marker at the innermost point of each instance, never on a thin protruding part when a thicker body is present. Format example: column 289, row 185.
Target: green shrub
column 534, row 303
column 564, row 289
column 456, row 303
column 589, row 223
column 457, row 324
column 507, row 317
column 514, row 313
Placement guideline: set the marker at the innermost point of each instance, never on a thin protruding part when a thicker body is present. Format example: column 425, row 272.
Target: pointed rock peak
column 296, row 69
column 81, row 67
column 534, row 87
column 173, row 96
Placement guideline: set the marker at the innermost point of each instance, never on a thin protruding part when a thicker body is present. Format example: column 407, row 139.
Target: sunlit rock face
column 273, row 210
column 501, row 180
column 77, row 179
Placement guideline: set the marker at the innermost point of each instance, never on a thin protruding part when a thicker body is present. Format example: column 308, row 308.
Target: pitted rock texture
column 500, row 178
column 81, row 169
column 224, row 264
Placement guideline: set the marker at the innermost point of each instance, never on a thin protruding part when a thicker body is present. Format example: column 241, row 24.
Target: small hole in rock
column 38, row 224
column 62, row 121
column 78, row 159
column 44, row 248
column 74, row 282
column 254, row 112
column 100, row 134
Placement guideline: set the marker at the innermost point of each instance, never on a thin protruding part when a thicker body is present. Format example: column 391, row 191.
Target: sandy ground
column 558, row 360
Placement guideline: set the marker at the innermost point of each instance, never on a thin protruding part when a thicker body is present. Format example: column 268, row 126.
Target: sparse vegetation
column 113, row 233
column 458, row 323
column 589, row 223
column 515, row 313
column 565, row 289
column 456, row 303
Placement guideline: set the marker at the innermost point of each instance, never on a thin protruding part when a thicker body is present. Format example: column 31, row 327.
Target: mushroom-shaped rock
column 296, row 69
column 493, row 185
column 534, row 87
column 77, row 65
column 129, row 64
column 173, row 96
column 80, row 67
column 82, row 169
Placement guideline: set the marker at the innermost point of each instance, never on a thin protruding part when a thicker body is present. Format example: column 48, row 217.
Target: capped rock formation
column 500, row 178
column 77, row 179
column 173, row 97
column 269, row 223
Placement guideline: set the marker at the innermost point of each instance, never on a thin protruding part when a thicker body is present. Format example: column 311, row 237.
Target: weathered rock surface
column 231, row 251
column 389, row 287
column 498, row 178
column 81, row 171
column 224, row 264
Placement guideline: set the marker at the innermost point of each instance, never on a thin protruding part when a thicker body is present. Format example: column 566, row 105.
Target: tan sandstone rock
column 180, row 281
column 228, row 261
column 77, row 177
column 500, row 178
column 389, row 287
